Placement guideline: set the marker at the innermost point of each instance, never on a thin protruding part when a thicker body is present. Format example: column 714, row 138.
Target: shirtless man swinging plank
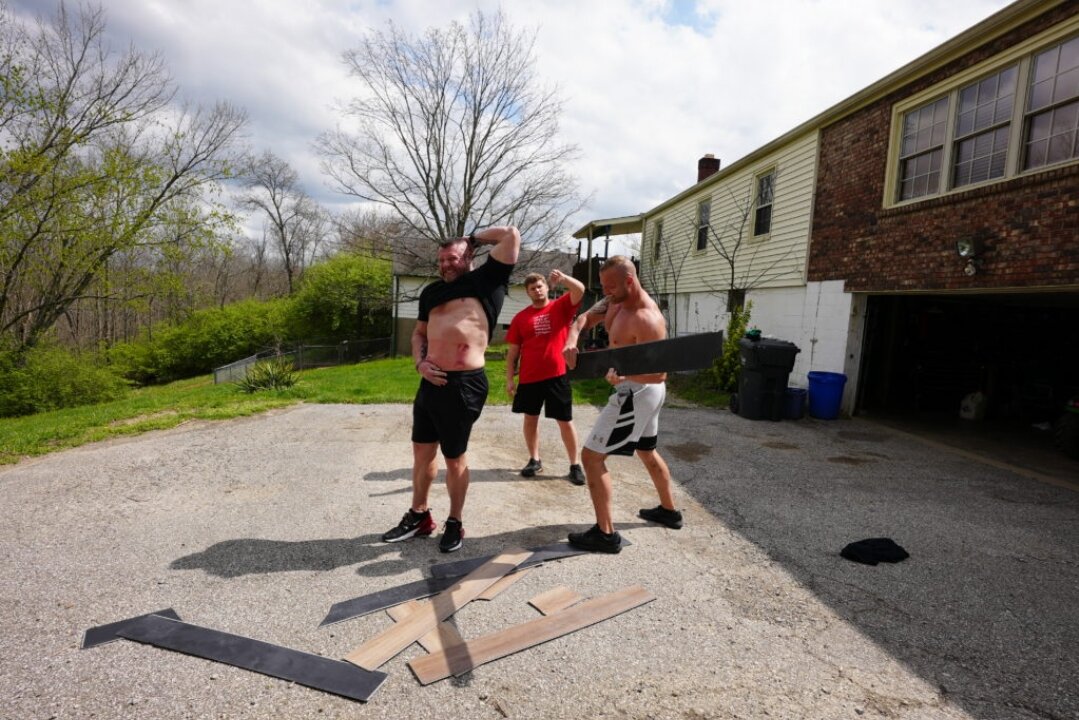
column 630, row 421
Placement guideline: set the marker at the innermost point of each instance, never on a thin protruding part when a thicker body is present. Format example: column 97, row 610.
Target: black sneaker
column 663, row 516
column 452, row 533
column 412, row 524
column 576, row 475
column 596, row 540
column 533, row 467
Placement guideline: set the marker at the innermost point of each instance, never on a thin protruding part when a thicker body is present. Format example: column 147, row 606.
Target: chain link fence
column 304, row 357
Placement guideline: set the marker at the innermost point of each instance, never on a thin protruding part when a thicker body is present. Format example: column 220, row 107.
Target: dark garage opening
column 923, row 354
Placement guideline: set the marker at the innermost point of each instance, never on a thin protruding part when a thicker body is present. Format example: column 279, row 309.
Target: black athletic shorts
column 445, row 414
column 554, row 393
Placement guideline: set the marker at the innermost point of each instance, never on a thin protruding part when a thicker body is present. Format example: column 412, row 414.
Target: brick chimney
column 707, row 165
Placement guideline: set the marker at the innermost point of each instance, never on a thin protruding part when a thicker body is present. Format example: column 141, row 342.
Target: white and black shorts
column 630, row 421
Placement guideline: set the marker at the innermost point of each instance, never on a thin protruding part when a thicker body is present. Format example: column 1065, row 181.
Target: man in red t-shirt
column 536, row 336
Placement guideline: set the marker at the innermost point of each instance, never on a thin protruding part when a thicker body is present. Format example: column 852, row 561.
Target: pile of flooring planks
column 415, row 620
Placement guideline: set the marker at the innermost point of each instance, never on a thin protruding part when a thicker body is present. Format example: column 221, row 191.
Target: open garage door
column 923, row 354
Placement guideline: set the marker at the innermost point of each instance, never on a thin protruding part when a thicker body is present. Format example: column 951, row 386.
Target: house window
column 704, row 212
column 1017, row 112
column 1052, row 121
column 657, row 239
column 982, row 127
column 762, row 219
column 922, row 150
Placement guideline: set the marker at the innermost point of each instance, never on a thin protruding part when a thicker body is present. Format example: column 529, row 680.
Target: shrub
column 729, row 365
column 346, row 296
column 273, row 374
column 48, row 378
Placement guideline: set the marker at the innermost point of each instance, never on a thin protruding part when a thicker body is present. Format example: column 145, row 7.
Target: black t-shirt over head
column 489, row 283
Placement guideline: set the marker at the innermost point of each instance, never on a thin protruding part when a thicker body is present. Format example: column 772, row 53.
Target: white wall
column 825, row 322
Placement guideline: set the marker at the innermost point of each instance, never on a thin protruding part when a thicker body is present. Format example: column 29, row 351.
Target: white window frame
column 702, row 221
column 657, row 238
column 1021, row 54
column 756, row 204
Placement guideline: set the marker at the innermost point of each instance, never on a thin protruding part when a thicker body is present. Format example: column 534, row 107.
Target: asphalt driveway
column 256, row 526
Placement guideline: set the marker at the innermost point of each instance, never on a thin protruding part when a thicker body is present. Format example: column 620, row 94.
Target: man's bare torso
column 457, row 335
column 629, row 326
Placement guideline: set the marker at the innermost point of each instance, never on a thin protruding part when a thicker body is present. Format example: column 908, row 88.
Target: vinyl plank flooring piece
column 445, row 575
column 444, row 636
column 555, row 599
column 495, row 590
column 367, row 604
column 688, row 352
column 107, row 633
column 473, row 653
column 313, row 671
column 540, row 555
column 376, row 651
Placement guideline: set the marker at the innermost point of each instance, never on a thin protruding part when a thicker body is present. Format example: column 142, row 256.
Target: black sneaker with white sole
column 534, row 466
column 595, row 540
column 413, row 524
column 663, row 516
column 452, row 534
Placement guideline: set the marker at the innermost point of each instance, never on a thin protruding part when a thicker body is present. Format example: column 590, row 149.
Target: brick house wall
column 1029, row 225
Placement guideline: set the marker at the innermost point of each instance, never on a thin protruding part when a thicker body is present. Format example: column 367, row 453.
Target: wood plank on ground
column 492, row 592
column 444, row 636
column 555, row 599
column 376, row 651
column 460, row 659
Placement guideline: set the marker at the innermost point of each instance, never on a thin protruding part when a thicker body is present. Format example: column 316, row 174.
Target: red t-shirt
column 542, row 334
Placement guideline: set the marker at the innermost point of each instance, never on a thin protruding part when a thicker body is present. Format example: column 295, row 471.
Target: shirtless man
column 456, row 318
column 630, row 421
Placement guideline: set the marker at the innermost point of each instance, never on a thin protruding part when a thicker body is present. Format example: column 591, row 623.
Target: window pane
column 762, row 223
column 1064, row 118
column 1008, row 79
column 1041, row 94
column 965, row 125
column 1069, row 54
column 1067, row 86
column 1040, row 125
column 1060, row 148
column 1036, row 153
column 934, row 183
column 1045, row 65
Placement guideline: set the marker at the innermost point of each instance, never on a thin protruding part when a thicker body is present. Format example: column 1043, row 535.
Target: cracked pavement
column 257, row 525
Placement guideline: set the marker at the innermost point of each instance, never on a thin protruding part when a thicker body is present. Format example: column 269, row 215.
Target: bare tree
column 455, row 133
column 93, row 158
column 294, row 221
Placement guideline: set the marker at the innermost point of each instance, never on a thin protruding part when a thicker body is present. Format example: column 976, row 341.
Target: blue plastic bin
column 825, row 394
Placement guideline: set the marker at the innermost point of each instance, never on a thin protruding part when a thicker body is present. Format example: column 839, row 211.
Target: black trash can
column 762, row 385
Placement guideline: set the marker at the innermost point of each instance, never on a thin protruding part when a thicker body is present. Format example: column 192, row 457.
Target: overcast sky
column 649, row 85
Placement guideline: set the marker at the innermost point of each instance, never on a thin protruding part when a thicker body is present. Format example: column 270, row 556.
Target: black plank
column 366, row 604
column 313, row 671
column 539, row 555
column 107, row 633
column 689, row 352
column 445, row 575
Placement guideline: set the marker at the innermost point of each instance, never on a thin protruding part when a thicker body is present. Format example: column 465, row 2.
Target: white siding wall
column 774, row 261
column 820, row 318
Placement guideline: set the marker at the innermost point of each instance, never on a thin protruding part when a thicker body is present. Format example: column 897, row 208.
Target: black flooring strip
column 446, row 574
column 107, row 633
column 366, row 604
column 688, row 352
column 313, row 671
column 539, row 555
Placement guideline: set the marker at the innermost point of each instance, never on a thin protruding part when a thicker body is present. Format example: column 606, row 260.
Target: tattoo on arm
column 600, row 308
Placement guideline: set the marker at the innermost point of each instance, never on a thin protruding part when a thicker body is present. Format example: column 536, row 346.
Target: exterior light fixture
column 969, row 249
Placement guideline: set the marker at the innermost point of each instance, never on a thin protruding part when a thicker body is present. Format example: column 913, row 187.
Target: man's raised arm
column 506, row 241
column 588, row 319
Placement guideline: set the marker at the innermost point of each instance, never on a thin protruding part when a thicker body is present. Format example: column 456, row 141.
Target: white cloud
column 649, row 85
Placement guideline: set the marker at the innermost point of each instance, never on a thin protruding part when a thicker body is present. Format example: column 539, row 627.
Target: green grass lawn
column 165, row 406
